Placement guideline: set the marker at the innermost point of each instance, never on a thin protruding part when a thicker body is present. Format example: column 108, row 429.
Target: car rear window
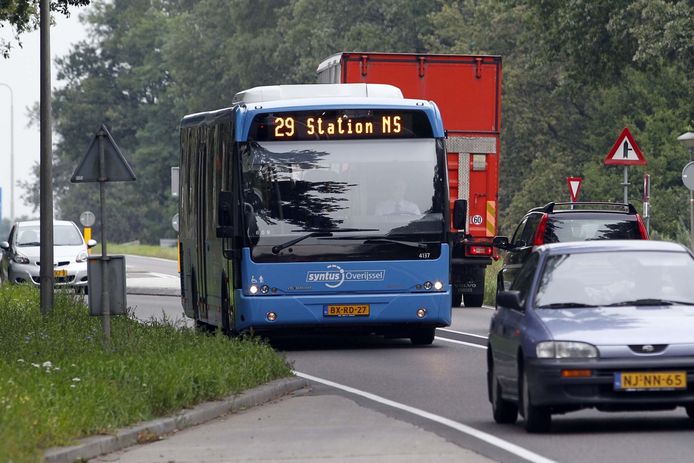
column 560, row 229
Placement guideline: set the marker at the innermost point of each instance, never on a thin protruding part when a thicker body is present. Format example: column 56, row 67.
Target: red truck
column 467, row 90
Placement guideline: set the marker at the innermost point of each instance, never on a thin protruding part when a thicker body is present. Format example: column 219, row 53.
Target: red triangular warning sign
column 574, row 187
column 625, row 151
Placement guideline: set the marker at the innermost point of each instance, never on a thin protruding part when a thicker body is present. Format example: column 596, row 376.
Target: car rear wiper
column 321, row 232
column 648, row 302
column 570, row 305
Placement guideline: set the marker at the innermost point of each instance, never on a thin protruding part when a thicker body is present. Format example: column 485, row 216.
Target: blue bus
column 316, row 208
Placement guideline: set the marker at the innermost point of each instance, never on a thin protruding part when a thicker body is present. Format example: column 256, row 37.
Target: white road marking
column 463, row 343
column 462, row 332
column 163, row 275
column 465, row 429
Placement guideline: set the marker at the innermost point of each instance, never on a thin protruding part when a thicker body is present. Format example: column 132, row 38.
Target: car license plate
column 650, row 381
column 60, row 273
column 347, row 310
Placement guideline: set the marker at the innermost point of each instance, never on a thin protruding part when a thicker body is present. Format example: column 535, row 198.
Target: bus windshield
column 343, row 198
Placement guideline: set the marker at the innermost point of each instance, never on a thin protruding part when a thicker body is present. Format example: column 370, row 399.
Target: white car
column 21, row 258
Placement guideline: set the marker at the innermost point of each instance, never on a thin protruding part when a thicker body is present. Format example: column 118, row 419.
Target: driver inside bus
column 397, row 204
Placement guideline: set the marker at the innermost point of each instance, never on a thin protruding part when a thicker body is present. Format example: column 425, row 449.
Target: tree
column 23, row 16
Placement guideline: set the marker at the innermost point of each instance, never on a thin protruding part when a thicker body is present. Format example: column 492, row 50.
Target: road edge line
column 465, row 429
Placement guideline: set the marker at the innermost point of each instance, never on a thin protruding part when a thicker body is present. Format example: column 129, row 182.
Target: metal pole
column 626, row 184
column 46, row 169
column 12, row 217
column 105, row 307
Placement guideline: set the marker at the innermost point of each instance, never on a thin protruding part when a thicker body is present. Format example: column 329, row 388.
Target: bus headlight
column 253, row 289
column 437, row 285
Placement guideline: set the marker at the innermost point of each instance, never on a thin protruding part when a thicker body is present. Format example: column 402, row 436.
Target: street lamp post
column 11, row 151
column 687, row 140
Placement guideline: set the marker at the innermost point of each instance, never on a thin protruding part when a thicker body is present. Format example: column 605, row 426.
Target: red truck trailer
column 467, row 90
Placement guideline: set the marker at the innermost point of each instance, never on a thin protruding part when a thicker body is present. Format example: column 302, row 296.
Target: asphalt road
column 447, row 380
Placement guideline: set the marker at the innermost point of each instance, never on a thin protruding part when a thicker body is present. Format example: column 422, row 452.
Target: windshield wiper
column 412, row 244
column 383, row 239
column 570, row 305
column 322, row 232
column 648, row 302
column 30, row 243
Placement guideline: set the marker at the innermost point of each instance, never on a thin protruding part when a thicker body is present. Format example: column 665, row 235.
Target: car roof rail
column 596, row 205
column 549, row 207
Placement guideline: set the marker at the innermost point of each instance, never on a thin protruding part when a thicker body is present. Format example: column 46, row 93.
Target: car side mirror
column 509, row 299
column 460, row 214
column 5, row 245
column 225, row 217
column 501, row 242
column 91, row 244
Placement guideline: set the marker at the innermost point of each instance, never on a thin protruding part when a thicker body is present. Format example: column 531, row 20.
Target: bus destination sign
column 340, row 125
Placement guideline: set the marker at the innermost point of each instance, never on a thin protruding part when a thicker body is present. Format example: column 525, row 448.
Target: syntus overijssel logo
column 334, row 275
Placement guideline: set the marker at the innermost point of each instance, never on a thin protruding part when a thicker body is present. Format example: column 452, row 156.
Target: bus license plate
column 347, row 310
column 60, row 273
column 650, row 381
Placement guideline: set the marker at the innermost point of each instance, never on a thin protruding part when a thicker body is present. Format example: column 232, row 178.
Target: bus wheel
column 422, row 336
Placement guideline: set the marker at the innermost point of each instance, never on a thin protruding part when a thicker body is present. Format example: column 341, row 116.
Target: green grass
column 147, row 250
column 58, row 382
column 490, row 282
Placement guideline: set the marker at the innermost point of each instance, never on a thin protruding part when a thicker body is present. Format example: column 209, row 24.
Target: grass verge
column 146, row 250
column 58, row 381
column 490, row 282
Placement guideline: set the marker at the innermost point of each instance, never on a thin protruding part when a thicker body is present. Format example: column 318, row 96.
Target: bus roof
column 292, row 92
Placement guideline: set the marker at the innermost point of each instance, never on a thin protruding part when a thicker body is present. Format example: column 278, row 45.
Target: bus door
column 200, row 228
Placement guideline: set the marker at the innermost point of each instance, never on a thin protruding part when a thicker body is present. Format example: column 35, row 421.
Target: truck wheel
column 457, row 297
column 473, row 300
column 422, row 336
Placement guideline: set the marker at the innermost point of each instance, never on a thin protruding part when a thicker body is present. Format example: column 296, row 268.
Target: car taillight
column 539, row 237
column 479, row 250
column 642, row 228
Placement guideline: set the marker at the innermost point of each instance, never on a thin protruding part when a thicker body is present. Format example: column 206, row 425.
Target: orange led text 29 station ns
column 285, row 127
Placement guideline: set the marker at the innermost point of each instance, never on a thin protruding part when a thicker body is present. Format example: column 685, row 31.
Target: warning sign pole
column 626, row 184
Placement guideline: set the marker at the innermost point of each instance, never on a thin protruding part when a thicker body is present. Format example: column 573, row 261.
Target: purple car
column 605, row 324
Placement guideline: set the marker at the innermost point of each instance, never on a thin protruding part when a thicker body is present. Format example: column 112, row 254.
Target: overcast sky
column 22, row 73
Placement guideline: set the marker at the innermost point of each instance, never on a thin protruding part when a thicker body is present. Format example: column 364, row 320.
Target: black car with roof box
column 564, row 222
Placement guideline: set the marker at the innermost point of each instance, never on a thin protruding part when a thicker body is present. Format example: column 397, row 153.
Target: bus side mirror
column 460, row 214
column 225, row 227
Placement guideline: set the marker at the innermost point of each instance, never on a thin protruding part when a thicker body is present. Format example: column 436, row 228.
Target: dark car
column 564, row 222
column 594, row 324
